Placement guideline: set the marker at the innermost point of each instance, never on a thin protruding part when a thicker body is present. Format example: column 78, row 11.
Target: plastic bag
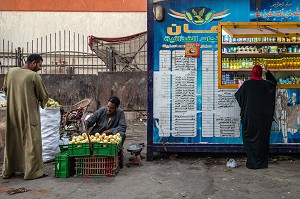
column 231, row 163
column 50, row 123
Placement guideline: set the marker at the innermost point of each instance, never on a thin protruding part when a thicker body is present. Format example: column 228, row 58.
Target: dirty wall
column 101, row 24
column 130, row 87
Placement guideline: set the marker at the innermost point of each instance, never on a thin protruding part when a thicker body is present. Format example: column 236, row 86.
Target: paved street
column 174, row 176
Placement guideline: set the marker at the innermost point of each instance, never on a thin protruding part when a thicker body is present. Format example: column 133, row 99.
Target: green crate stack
column 79, row 149
column 106, row 149
column 64, row 165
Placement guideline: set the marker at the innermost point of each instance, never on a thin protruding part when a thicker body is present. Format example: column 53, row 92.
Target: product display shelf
column 241, row 46
column 237, row 57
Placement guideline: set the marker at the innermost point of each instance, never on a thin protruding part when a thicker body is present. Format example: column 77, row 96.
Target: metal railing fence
column 63, row 53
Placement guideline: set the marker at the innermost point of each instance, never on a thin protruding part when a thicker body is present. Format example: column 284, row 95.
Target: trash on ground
column 18, row 190
column 231, row 163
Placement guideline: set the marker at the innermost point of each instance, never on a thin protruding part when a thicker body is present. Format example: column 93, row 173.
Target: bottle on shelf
column 223, row 63
column 282, row 61
column 243, row 63
column 230, row 64
column 247, row 63
column 284, row 49
column 250, row 63
column 227, row 63
column 235, row 65
column 240, row 63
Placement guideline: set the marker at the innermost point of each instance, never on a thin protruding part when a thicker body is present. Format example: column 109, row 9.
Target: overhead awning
column 260, row 29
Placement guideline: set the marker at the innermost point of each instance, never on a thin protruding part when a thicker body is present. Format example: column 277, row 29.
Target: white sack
column 50, row 123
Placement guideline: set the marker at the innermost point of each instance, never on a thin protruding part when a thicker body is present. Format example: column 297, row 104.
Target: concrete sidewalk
column 169, row 176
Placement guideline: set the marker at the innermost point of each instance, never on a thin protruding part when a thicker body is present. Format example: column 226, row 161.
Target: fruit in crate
column 97, row 138
column 52, row 103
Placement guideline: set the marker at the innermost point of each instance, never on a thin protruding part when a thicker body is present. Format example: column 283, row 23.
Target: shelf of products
column 279, row 52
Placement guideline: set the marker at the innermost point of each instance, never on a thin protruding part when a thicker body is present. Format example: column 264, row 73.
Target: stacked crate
column 96, row 166
column 101, row 160
column 64, row 165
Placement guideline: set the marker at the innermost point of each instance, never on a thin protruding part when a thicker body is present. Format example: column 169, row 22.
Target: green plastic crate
column 106, row 149
column 64, row 165
column 63, row 148
column 79, row 149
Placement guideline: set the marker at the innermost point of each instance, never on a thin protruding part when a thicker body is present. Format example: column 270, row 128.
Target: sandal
column 7, row 176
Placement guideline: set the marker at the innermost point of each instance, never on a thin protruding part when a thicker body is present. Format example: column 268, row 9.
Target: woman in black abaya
column 256, row 97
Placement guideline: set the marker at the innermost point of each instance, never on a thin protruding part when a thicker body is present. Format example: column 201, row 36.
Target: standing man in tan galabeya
column 25, row 93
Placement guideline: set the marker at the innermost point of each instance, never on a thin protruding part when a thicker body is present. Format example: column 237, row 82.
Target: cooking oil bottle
column 250, row 63
column 243, row 63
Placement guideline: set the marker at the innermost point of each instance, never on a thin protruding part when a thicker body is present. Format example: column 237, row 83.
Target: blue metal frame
column 150, row 39
column 219, row 148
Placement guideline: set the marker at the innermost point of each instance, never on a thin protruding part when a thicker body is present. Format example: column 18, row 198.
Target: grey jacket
column 99, row 121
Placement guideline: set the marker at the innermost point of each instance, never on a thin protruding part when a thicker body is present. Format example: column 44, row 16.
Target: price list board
column 184, row 101
column 162, row 94
column 220, row 110
column 227, row 118
column 208, row 93
column 177, row 110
